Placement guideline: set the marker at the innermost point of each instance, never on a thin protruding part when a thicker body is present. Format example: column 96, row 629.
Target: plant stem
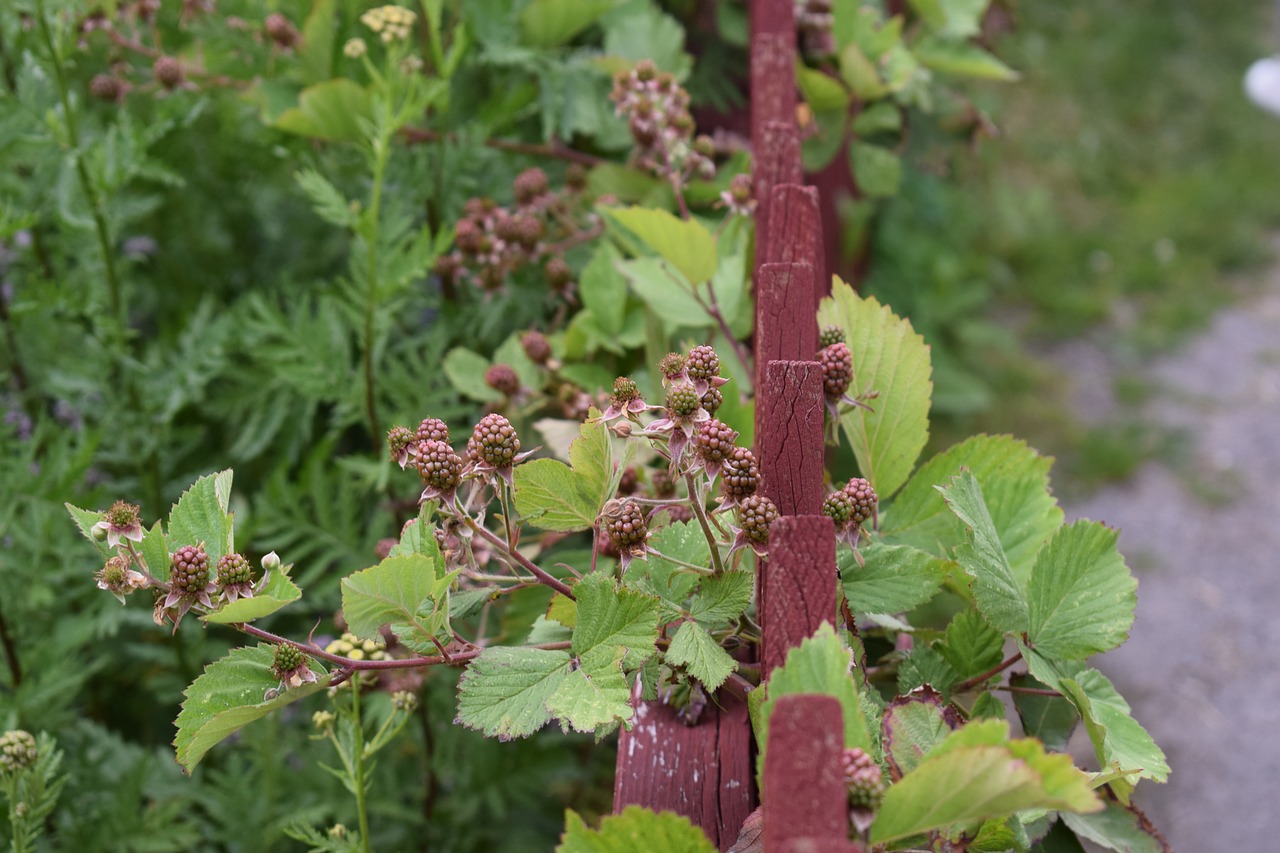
column 695, row 500
column 702, row 570
column 358, row 729
column 10, row 651
column 553, row 150
column 978, row 679
column 381, row 154
column 541, row 574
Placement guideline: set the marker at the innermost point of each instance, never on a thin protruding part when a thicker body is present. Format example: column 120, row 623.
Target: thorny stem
column 981, row 677
column 541, row 574
column 695, row 500
column 553, row 150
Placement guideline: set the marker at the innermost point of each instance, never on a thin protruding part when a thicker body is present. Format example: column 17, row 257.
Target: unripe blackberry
column 536, row 346
column 558, row 274
column 433, row 429
column 528, row 230
column 530, row 184
column 168, row 72
column 287, row 659
column 679, row 513
column 837, row 369
column 663, row 485
column 829, row 336
column 625, row 391
column 741, row 474
column 626, row 525
column 838, row 506
column 398, row 440
column 436, row 463
column 629, row 482
column 683, row 401
column 715, row 441
column 704, row 145
column 495, row 441
column 712, row 400
column 17, row 751
column 448, row 267
column 106, row 87
column 469, row 236
column 189, row 570
column 233, row 570
column 281, row 30
column 863, row 498
column 503, row 378
column 672, row 365
column 756, row 514
column 863, row 778
column 702, row 363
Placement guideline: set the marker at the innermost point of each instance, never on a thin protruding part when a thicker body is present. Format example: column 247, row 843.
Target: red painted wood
column 789, row 441
column 805, row 801
column 786, row 324
column 798, row 585
column 795, row 234
column 776, row 162
column 703, row 772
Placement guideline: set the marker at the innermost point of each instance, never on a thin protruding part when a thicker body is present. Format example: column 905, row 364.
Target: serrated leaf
column 563, row 609
column 860, row 73
column 877, row 170
column 926, row 666
column 504, row 691
column 154, row 548
column 591, row 697
column 890, row 358
column 278, row 591
column 686, row 244
column 722, row 597
column 200, row 515
column 328, row 203
column 972, row 776
column 85, row 520
column 603, row 288
column 228, row 695
column 1118, row 827
column 610, row 617
column 821, row 92
column 1050, row 718
column 894, row 578
column 553, row 496
column 1015, row 485
column 987, row 706
column 972, row 646
column 1081, row 595
column 635, row 829
column 468, row 602
column 548, row 23
column 961, row 58
column 406, row 593
column 1000, row 595
column 331, row 110
column 465, row 371
column 698, row 652
column 912, row 725
column 820, row 664
column 669, row 581
column 882, row 117
column 668, row 294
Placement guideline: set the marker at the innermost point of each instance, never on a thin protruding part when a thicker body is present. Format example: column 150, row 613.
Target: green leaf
column 684, row 243
column 882, row 117
column 1015, row 484
column 669, row 581
column 639, row 29
column 698, row 652
column 926, row 666
column 610, row 617
column 635, row 829
column 963, row 18
column 1050, row 718
column 315, row 54
column 85, row 520
column 820, row 664
column 977, row 774
column 665, row 292
column 877, row 170
column 603, row 288
column 330, row 204
column 1081, row 594
column 590, row 697
column 330, row 110
column 1000, row 595
column 200, row 515
column 1118, row 827
column 962, row 58
column 722, row 598
column 154, row 548
column 549, row 23
column 504, row 692
column 972, row 646
column 821, row 92
column 895, row 578
column 228, row 696
column 552, row 496
column 394, row 593
column 279, row 591
column 861, row 74
column 912, row 725
column 987, row 706
column 465, row 371
column 888, row 357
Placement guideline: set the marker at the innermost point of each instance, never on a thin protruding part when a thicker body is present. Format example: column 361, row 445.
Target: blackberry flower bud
column 17, row 751
column 404, row 700
column 270, row 562
column 503, row 378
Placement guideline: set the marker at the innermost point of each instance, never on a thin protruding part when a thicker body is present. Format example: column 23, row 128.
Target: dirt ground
column 1202, row 533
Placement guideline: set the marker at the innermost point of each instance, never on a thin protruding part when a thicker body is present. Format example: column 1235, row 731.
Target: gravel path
column 1202, row 666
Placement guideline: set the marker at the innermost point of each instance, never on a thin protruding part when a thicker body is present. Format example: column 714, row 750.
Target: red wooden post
column 703, row 772
column 789, row 442
column 806, row 807
column 775, row 162
column 795, row 232
column 799, row 585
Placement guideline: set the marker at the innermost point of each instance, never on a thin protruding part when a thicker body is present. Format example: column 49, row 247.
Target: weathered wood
column 805, row 801
column 789, row 441
column 776, row 162
column 703, row 772
column 795, row 233
column 773, row 63
column 798, row 585
column 786, row 324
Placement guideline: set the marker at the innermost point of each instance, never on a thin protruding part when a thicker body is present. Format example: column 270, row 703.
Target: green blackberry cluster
column 625, row 391
column 398, row 440
column 189, row 569
column 756, row 514
column 863, row 778
column 837, row 369
column 829, row 336
column 494, row 442
column 285, row 660
column 683, row 401
column 740, row 474
column 233, row 570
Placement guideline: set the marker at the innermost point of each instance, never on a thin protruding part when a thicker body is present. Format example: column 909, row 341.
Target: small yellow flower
column 354, row 48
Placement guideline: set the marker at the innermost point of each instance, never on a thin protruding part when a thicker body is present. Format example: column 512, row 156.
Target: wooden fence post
column 806, row 805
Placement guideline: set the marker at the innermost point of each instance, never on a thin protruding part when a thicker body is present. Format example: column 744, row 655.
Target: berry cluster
column 829, row 336
column 739, row 199
column 849, row 507
column 756, row 515
column 503, row 379
column 657, row 111
column 493, row 442
column 234, row 577
column 437, row 464
column 289, row 664
column 837, row 369
column 864, row 778
column 740, row 475
column 189, row 569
